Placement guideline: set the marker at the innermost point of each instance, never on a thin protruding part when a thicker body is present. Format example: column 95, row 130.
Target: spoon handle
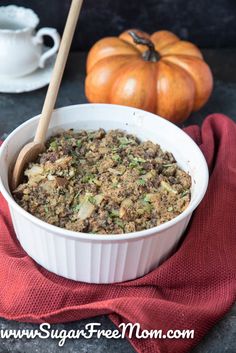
column 58, row 70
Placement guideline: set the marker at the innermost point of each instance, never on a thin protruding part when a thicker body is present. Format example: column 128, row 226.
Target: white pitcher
column 21, row 50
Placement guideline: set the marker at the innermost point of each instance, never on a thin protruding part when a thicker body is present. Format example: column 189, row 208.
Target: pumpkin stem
column 149, row 55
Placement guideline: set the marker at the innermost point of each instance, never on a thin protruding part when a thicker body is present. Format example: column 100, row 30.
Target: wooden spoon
column 30, row 151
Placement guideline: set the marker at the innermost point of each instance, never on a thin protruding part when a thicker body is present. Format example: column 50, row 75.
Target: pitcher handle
column 38, row 39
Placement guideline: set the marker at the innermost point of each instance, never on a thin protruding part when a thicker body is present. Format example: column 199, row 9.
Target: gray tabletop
column 14, row 109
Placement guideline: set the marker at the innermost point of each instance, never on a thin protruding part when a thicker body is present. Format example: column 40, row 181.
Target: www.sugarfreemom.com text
column 94, row 330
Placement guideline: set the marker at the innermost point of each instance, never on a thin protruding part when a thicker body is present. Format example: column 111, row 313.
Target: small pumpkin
column 158, row 73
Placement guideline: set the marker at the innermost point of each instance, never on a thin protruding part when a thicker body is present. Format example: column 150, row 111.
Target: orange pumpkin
column 159, row 73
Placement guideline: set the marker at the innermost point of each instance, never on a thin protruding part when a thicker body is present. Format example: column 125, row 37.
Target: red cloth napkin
column 191, row 290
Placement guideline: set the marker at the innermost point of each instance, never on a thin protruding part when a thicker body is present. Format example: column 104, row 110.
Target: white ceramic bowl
column 104, row 258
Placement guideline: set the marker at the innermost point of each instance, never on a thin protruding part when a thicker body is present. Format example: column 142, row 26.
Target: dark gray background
column 208, row 23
